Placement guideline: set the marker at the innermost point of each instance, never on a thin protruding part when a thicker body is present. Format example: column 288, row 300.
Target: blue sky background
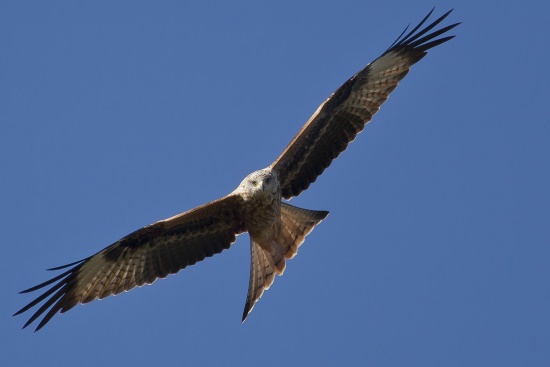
column 436, row 253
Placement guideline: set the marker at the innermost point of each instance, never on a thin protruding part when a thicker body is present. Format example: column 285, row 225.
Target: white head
column 263, row 182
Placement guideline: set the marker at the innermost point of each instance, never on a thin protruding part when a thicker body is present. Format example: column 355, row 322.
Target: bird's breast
column 262, row 217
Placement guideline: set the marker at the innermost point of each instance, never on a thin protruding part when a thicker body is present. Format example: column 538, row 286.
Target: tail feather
column 262, row 275
column 296, row 224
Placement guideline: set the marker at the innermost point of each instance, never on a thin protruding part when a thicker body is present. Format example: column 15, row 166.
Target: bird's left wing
column 346, row 112
column 162, row 248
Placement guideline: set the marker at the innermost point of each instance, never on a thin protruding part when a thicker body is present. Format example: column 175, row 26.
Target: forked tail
column 296, row 224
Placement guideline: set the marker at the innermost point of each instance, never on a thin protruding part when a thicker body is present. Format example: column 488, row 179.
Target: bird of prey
column 276, row 229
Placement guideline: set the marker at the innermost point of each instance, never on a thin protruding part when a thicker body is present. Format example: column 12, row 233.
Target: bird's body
column 262, row 190
column 276, row 228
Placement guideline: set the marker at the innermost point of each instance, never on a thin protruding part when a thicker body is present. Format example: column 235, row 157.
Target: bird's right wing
column 346, row 112
column 152, row 252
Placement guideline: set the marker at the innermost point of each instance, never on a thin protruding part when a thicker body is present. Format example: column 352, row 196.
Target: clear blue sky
column 436, row 253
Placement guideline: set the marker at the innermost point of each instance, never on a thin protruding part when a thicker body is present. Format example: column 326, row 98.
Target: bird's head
column 263, row 182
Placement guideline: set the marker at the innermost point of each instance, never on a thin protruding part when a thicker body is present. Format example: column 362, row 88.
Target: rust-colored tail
column 296, row 224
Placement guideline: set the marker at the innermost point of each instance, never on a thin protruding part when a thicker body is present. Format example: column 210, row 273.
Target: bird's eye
column 254, row 182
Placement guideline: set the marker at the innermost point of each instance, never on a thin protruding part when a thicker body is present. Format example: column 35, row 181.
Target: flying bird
column 276, row 228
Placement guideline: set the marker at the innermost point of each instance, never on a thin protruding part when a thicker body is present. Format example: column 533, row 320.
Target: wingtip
column 67, row 265
column 430, row 13
column 40, row 326
column 27, row 324
column 31, row 289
